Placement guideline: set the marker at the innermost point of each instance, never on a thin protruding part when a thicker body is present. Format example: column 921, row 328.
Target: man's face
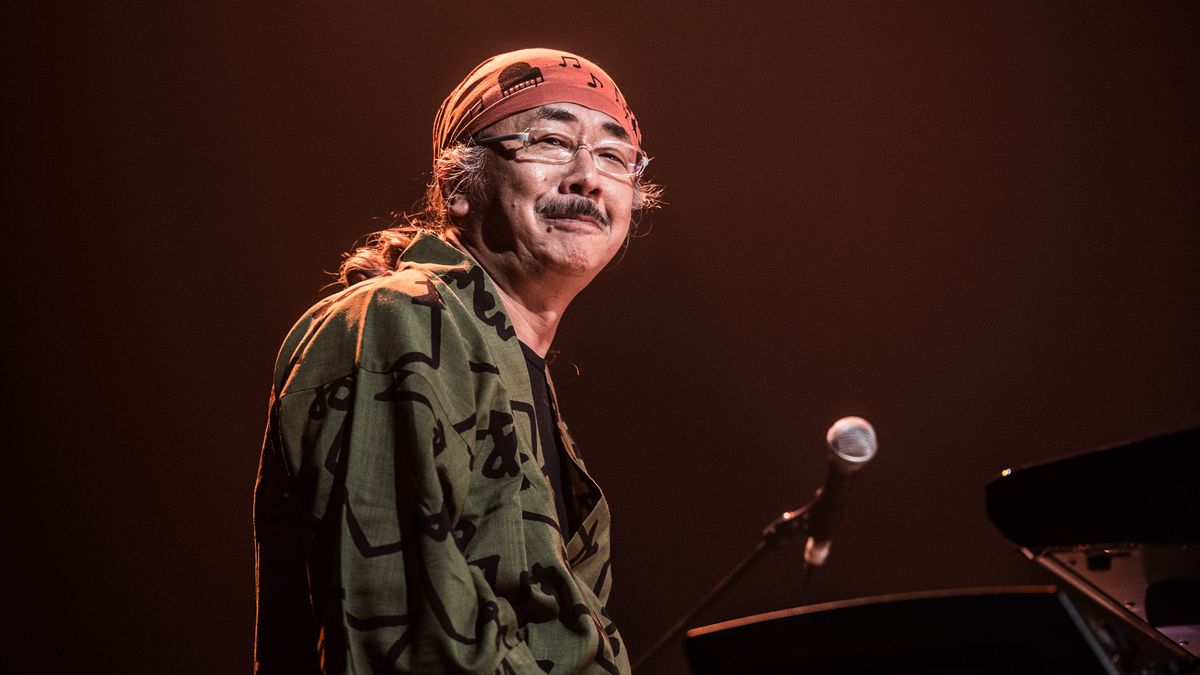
column 538, row 218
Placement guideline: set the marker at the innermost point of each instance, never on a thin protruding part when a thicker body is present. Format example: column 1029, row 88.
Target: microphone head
column 852, row 442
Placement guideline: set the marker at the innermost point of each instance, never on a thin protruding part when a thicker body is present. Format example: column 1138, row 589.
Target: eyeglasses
column 612, row 158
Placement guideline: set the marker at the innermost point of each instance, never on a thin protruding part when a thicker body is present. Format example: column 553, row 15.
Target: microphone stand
column 785, row 526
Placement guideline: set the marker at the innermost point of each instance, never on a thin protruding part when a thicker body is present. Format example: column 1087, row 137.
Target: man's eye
column 613, row 158
column 554, row 140
column 616, row 154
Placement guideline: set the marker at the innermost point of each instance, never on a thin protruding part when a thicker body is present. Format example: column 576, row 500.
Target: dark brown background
column 974, row 224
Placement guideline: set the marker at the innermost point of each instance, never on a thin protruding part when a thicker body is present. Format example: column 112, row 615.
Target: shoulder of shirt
column 370, row 324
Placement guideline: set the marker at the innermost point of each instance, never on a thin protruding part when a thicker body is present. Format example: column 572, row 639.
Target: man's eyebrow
column 616, row 130
column 555, row 114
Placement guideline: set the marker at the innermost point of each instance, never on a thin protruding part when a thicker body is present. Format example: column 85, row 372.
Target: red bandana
column 509, row 83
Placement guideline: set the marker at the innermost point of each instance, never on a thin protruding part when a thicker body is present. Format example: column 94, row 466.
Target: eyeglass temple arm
column 523, row 136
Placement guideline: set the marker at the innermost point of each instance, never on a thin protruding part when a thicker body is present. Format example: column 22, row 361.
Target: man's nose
column 583, row 177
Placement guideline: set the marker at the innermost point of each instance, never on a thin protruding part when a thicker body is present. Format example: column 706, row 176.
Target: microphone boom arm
column 852, row 443
column 787, row 525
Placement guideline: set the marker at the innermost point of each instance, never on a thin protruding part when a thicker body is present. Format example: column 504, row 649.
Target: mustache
column 572, row 206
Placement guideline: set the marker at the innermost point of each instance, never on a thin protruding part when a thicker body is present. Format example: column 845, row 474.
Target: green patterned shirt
column 402, row 519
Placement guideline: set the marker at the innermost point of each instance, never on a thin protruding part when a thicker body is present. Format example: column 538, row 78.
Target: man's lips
column 576, row 217
column 578, row 223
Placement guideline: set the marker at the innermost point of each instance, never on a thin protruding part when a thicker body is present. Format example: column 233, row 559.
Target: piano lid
column 1145, row 492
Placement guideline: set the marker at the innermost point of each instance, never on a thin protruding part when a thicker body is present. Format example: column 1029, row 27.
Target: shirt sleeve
column 383, row 471
column 399, row 465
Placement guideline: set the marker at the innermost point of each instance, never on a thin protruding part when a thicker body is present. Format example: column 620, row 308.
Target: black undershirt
column 553, row 464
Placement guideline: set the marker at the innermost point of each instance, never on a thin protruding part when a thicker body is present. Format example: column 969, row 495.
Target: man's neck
column 534, row 305
column 534, row 326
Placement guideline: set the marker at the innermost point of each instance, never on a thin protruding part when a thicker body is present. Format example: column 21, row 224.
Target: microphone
column 852, row 444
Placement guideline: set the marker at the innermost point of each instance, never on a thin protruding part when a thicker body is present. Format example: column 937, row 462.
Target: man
column 420, row 506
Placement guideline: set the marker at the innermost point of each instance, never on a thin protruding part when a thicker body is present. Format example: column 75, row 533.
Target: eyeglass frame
column 524, row 137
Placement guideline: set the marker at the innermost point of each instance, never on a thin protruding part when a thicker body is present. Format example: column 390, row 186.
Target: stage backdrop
column 974, row 224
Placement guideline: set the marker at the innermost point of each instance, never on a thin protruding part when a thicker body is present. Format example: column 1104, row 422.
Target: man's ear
column 457, row 206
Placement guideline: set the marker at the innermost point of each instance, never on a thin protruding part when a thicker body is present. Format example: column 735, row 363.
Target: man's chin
column 578, row 261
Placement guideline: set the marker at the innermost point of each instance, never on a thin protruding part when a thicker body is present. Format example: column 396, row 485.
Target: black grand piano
column 1118, row 527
